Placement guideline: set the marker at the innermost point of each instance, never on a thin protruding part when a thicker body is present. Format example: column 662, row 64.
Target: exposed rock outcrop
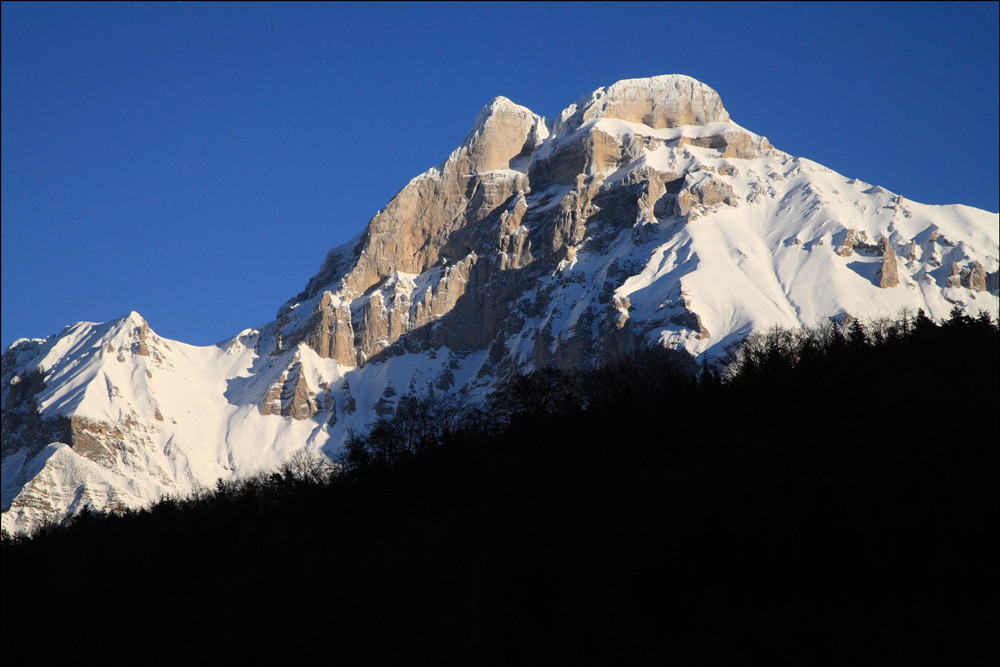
column 733, row 143
column 686, row 317
column 290, row 396
column 96, row 440
column 888, row 272
column 974, row 276
column 658, row 102
column 955, row 275
column 23, row 427
column 853, row 239
column 588, row 152
column 330, row 332
column 703, row 190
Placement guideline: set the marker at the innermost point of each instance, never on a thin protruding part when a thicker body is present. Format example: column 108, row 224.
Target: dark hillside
column 832, row 499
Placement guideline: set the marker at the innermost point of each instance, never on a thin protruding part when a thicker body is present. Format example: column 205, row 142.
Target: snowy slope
column 167, row 419
column 771, row 258
column 641, row 216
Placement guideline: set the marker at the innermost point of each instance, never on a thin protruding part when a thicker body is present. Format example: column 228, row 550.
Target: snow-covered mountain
column 641, row 216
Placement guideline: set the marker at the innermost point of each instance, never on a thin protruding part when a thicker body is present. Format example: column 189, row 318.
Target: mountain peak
column 499, row 109
column 664, row 101
column 502, row 132
column 639, row 218
column 500, row 104
column 134, row 318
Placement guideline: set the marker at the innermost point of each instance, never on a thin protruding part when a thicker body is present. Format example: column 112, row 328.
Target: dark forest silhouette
column 826, row 496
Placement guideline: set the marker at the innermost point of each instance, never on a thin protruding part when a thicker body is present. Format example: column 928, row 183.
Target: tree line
column 821, row 496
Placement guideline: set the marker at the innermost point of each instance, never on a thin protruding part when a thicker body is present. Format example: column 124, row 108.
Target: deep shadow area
column 831, row 498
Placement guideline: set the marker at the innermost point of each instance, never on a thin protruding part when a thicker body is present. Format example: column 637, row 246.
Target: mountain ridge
column 641, row 216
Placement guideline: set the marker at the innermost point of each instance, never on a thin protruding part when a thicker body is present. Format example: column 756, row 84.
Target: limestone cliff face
column 329, row 331
column 657, row 102
column 448, row 259
column 472, row 254
column 430, row 219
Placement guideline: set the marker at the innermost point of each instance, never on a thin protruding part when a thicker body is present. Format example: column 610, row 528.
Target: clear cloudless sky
column 194, row 162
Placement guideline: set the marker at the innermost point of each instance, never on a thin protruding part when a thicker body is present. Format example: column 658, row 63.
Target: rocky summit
column 640, row 216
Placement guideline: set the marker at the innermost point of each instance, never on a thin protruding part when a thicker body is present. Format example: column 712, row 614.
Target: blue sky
column 194, row 162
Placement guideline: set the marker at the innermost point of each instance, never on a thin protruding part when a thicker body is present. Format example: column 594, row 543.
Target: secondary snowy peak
column 112, row 415
column 666, row 101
